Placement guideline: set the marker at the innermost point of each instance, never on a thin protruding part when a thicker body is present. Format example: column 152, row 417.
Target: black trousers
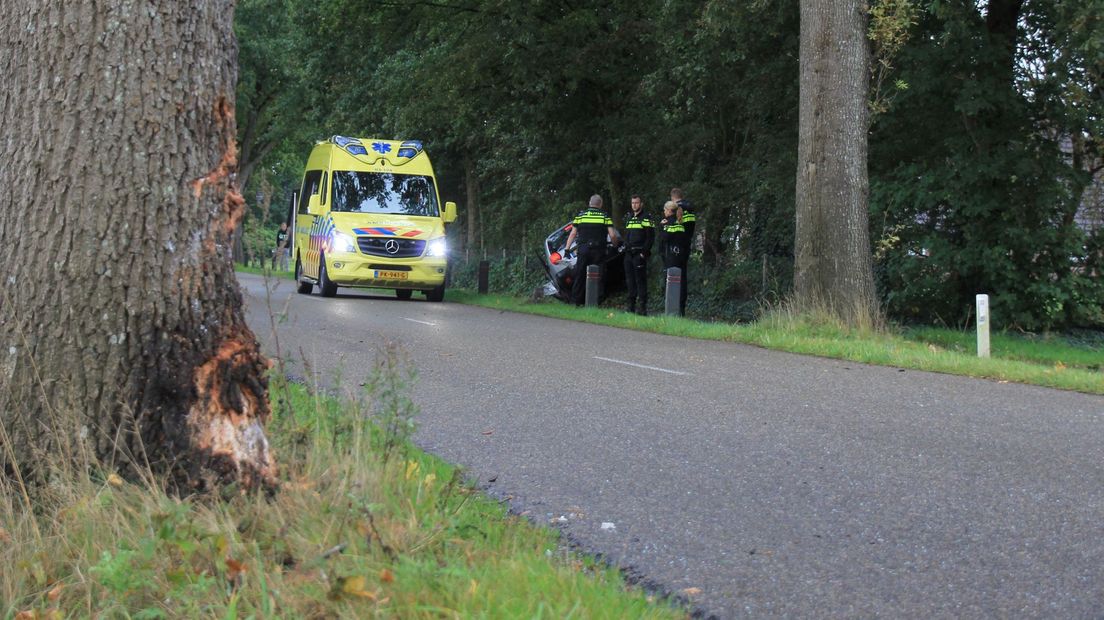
column 636, row 280
column 681, row 264
column 586, row 256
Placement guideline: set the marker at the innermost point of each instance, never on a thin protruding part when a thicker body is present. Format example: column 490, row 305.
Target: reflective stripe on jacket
column 592, row 225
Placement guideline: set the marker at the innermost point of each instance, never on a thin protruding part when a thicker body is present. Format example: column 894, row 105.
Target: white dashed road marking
column 673, row 372
column 422, row 322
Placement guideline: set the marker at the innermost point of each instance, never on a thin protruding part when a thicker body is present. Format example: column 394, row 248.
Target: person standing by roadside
column 280, row 254
column 674, row 246
column 686, row 213
column 590, row 227
column 689, row 220
column 639, row 237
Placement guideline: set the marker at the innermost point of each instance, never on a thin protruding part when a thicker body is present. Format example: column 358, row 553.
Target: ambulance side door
column 306, row 237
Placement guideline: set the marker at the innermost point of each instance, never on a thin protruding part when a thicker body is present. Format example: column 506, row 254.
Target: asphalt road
column 777, row 484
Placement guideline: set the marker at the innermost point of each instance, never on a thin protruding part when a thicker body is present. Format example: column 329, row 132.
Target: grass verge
column 364, row 525
column 1049, row 363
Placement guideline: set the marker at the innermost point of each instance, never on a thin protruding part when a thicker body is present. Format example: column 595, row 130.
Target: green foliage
column 132, row 574
column 391, row 381
column 736, row 292
column 891, row 22
column 970, row 191
column 273, row 92
column 258, row 242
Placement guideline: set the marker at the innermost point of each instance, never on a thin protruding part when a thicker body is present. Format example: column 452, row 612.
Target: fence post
column 593, row 279
column 484, row 276
column 674, row 291
column 983, row 325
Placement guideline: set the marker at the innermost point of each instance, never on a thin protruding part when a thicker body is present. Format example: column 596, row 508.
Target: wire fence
column 512, row 274
column 734, row 291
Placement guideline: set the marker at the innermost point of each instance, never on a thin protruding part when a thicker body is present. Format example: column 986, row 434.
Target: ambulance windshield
column 382, row 192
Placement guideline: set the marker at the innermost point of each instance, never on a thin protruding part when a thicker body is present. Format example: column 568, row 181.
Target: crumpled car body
column 560, row 265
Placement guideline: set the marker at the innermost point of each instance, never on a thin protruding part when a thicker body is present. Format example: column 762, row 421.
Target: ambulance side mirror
column 314, row 204
column 450, row 212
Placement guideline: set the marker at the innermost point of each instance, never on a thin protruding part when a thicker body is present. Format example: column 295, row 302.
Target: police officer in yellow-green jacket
column 686, row 213
column 674, row 246
column 590, row 228
column 689, row 219
column 639, row 237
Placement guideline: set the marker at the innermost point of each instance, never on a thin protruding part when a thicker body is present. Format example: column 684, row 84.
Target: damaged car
column 559, row 263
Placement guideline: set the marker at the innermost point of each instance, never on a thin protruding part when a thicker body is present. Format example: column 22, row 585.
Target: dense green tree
column 270, row 89
column 973, row 193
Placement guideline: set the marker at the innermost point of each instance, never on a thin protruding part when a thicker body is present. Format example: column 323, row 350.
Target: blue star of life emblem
column 381, row 147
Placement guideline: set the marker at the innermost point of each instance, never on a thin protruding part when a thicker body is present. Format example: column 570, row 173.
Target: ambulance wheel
column 305, row 287
column 325, row 285
column 403, row 293
column 436, row 293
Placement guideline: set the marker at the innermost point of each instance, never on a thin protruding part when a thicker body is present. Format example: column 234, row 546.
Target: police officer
column 686, row 213
column 689, row 220
column 674, row 246
column 639, row 236
column 591, row 226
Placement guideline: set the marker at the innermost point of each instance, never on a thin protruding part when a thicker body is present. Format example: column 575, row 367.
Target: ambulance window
column 380, row 192
column 310, row 187
column 325, row 177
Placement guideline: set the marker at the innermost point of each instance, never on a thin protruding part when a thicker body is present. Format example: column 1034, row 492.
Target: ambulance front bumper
column 351, row 269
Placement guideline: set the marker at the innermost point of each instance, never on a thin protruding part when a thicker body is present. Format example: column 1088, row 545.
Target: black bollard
column 674, row 291
column 484, row 276
column 594, row 278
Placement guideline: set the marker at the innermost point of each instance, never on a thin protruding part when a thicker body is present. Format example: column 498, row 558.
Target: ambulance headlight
column 340, row 242
column 436, row 247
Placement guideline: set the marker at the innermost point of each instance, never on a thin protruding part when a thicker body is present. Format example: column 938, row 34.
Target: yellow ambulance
column 369, row 216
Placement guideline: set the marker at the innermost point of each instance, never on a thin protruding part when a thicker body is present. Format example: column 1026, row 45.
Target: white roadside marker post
column 983, row 325
column 674, row 291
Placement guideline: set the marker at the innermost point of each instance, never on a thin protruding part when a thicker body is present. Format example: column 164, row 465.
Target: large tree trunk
column 122, row 338
column 616, row 207
column 715, row 249
column 471, row 186
column 1002, row 20
column 254, row 144
column 833, row 266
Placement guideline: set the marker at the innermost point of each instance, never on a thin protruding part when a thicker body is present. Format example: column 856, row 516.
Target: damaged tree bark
column 122, row 337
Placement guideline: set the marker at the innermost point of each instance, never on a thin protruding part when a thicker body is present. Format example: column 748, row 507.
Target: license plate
column 391, row 275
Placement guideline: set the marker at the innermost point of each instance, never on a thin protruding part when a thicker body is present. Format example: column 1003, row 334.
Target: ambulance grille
column 404, row 248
